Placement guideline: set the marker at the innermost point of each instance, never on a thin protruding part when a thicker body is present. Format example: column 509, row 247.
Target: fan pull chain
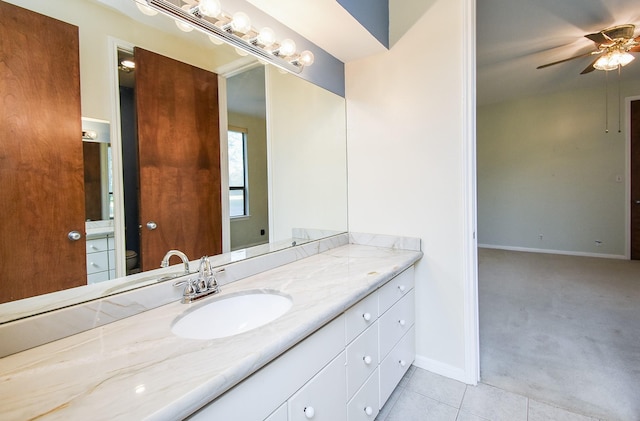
column 619, row 113
column 606, row 101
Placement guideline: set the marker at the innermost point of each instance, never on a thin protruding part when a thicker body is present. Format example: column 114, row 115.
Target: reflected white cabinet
column 343, row 372
column 100, row 258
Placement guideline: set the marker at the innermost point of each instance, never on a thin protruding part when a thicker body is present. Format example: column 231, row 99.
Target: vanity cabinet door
column 396, row 364
column 323, row 398
column 364, row 405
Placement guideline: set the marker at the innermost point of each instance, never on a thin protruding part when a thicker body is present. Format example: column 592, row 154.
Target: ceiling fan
column 613, row 48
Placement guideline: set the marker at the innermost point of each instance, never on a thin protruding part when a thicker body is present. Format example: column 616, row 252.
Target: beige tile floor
column 424, row 396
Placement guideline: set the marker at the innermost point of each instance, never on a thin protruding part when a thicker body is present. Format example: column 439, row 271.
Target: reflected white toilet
column 132, row 260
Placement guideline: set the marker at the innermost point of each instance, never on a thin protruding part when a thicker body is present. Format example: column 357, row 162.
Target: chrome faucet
column 205, row 284
column 181, row 255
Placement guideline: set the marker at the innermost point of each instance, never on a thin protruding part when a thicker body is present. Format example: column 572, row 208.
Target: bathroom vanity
column 336, row 354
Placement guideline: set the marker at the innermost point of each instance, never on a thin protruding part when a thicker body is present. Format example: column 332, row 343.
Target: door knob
column 74, row 235
column 151, row 225
column 637, row 202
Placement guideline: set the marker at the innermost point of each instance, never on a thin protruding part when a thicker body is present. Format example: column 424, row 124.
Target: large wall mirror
column 281, row 148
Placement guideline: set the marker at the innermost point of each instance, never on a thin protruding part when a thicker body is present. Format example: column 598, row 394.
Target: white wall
column 547, row 167
column 405, row 134
column 308, row 163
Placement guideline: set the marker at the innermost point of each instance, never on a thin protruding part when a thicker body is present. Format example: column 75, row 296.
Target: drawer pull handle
column 402, row 322
column 403, row 363
column 309, row 412
column 402, row 288
column 368, row 410
column 367, row 360
column 367, row 316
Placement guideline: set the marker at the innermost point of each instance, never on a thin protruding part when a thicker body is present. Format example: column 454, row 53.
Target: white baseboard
column 547, row 251
column 445, row 370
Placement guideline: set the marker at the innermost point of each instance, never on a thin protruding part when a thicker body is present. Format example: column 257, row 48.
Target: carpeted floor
column 563, row 330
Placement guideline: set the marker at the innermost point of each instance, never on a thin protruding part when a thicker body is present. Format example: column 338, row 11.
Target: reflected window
column 238, row 172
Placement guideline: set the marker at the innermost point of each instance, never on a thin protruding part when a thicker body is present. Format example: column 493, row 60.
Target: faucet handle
column 190, row 288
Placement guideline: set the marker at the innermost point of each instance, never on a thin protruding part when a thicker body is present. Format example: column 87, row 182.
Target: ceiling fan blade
column 589, row 68
column 567, row 59
column 597, row 37
column 635, row 49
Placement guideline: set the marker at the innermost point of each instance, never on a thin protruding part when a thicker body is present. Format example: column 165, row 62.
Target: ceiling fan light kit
column 613, row 46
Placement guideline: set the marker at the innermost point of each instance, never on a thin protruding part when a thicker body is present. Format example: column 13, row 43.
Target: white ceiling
column 516, row 36
column 513, row 38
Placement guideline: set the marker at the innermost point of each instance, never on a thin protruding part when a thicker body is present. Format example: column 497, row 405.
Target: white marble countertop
column 136, row 369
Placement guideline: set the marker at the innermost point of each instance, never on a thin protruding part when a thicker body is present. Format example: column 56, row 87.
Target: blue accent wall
column 326, row 72
column 373, row 15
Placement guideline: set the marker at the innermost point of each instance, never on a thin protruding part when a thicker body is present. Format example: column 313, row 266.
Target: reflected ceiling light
column 146, row 9
column 215, row 40
column 241, row 52
column 236, row 30
column 183, row 26
column 130, row 64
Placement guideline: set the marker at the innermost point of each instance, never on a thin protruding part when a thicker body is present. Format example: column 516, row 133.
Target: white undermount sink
column 231, row 315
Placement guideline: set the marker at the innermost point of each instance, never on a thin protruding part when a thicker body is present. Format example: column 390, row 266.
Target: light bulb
column 266, row 37
column 625, row 58
column 128, row 63
column 306, row 58
column 146, row 9
column 241, row 22
column 287, row 47
column 210, row 8
column 215, row 40
column 185, row 27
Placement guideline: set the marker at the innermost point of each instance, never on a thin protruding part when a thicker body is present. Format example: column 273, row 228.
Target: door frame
column 627, row 179
column 116, row 156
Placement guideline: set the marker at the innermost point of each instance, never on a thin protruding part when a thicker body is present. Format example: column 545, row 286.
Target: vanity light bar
column 209, row 28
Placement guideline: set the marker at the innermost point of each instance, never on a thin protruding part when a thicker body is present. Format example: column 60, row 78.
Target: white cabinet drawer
column 395, row 289
column 323, row 398
column 111, row 243
column 396, row 322
column 94, row 278
column 362, row 359
column 96, row 245
column 279, row 414
column 97, row 262
column 364, row 405
column 362, row 315
column 396, row 364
